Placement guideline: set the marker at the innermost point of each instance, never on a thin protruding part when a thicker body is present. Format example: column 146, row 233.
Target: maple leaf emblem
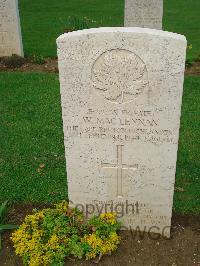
column 119, row 75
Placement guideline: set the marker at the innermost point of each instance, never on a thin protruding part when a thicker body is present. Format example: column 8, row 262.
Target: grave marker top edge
column 153, row 32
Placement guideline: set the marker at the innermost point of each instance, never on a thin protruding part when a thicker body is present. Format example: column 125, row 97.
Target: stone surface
column 143, row 13
column 121, row 91
column 10, row 31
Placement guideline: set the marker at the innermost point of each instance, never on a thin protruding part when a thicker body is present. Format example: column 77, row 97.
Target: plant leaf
column 3, row 208
column 8, row 226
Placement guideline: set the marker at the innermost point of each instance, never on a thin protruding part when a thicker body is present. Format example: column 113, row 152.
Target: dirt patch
column 194, row 69
column 135, row 249
column 51, row 65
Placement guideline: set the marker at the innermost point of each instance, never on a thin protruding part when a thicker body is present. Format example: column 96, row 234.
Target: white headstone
column 143, row 13
column 10, row 31
column 121, row 91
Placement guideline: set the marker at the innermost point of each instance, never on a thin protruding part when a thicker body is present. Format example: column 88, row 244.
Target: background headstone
column 10, row 31
column 121, row 91
column 143, row 13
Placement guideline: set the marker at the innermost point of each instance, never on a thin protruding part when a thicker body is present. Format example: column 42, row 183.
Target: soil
column 182, row 249
column 51, row 66
column 193, row 70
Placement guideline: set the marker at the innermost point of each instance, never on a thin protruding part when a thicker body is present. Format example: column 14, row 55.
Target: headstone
column 10, row 31
column 121, row 91
column 143, row 13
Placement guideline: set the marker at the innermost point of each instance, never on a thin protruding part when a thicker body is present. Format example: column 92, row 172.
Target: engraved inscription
column 121, row 104
column 138, row 125
column 119, row 76
column 120, row 167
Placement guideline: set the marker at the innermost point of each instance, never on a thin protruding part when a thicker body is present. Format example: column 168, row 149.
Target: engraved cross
column 120, row 167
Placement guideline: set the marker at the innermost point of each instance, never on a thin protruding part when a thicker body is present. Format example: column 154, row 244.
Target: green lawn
column 44, row 20
column 31, row 135
column 188, row 165
column 32, row 163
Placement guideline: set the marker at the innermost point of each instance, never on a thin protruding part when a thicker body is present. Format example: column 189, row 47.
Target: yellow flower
column 99, row 245
column 30, row 239
column 53, row 243
column 109, row 217
column 63, row 206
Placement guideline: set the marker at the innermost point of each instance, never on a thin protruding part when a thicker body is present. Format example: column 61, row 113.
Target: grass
column 43, row 20
column 31, row 145
column 188, row 164
column 32, row 159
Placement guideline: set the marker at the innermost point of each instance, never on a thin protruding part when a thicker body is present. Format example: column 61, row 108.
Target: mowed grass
column 188, row 164
column 43, row 20
column 32, row 162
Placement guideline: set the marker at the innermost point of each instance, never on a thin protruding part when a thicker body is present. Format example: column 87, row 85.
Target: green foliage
column 47, row 237
column 3, row 211
column 38, row 59
column 14, row 61
column 3, row 226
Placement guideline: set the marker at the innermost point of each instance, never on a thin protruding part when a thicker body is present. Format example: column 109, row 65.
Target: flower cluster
column 50, row 235
column 109, row 217
column 99, row 245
